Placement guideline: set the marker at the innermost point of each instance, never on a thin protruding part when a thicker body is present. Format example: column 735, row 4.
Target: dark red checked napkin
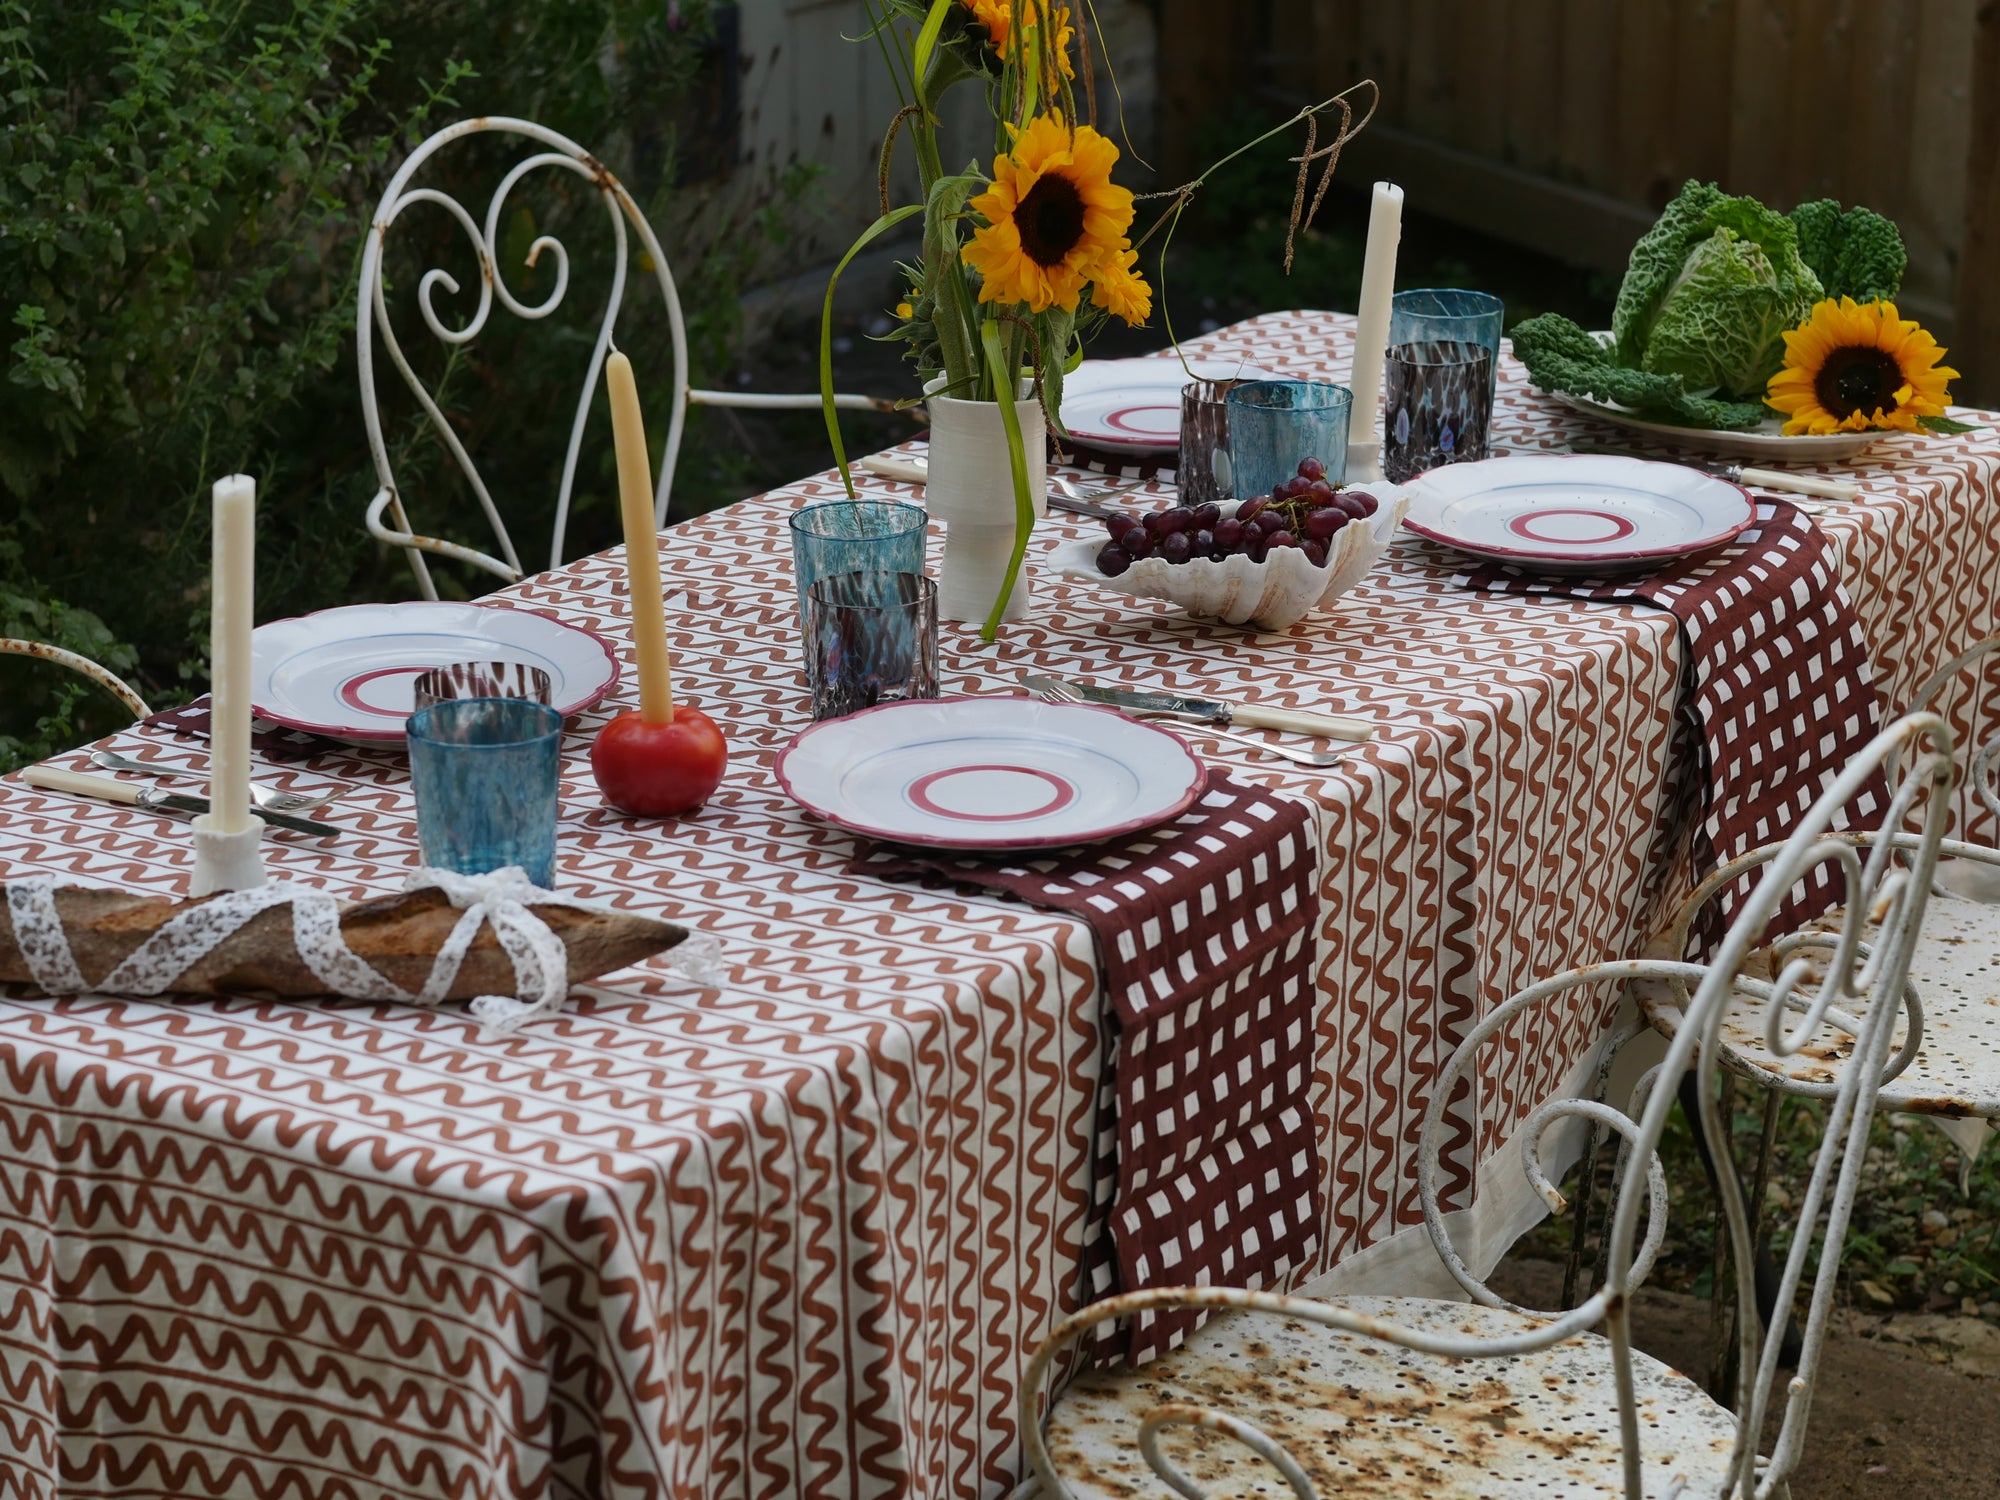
column 1780, row 694
column 275, row 742
column 1206, row 931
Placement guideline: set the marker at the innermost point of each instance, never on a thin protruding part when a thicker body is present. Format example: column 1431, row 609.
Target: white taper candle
column 1378, row 286
column 232, row 597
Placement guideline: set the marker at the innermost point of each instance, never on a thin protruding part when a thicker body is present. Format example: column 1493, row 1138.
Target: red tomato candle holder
column 659, row 770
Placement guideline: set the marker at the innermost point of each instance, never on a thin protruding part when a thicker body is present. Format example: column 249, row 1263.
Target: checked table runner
column 795, row 1235
column 1206, row 928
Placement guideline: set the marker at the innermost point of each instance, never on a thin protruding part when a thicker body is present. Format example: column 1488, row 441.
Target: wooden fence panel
column 1566, row 124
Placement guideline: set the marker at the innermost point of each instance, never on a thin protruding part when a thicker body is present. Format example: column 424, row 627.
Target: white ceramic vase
column 970, row 487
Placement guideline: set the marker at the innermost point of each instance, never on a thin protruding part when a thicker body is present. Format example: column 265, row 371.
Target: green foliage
column 1560, row 356
column 183, row 196
column 52, row 706
column 1709, row 292
column 1925, row 1233
column 1857, row 254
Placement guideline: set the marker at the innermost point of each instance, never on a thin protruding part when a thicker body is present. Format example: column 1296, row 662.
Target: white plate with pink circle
column 990, row 773
column 1136, row 403
column 1576, row 512
column 349, row 673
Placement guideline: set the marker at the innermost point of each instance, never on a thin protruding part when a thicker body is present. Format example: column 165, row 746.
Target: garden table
column 796, row 1234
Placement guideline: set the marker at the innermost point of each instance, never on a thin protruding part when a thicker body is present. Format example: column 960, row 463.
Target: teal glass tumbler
column 486, row 773
column 1450, row 315
column 1273, row 424
column 855, row 536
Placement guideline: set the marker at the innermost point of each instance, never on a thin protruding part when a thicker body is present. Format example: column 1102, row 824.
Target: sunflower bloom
column 1118, row 288
column 1855, row 365
column 1053, row 218
column 997, row 16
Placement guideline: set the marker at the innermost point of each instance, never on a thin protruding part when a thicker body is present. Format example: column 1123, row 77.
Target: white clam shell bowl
column 1271, row 595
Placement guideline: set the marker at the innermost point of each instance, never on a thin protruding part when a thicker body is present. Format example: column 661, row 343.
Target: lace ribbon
column 501, row 899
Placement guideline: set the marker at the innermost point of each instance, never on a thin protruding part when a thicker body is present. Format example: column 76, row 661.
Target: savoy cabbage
column 1710, row 291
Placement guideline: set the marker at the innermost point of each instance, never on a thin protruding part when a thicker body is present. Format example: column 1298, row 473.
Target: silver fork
column 266, row 797
column 1066, row 494
column 1057, row 693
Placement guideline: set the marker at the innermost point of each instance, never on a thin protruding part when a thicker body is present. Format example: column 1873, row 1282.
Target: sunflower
column 1118, row 288
column 997, row 16
column 1054, row 220
column 1854, row 365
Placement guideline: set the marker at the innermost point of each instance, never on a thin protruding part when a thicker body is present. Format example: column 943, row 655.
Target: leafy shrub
column 183, row 196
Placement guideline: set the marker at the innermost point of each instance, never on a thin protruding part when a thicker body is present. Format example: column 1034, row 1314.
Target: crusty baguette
column 398, row 936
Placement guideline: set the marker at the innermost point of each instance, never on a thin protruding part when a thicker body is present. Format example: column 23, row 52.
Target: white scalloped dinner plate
column 1136, row 403
column 990, row 773
column 350, row 673
column 1576, row 512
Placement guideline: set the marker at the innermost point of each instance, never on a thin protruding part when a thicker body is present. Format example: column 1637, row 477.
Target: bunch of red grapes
column 1304, row 512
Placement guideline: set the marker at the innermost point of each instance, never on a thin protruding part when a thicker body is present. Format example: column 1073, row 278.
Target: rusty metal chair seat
column 1955, row 972
column 1364, row 1418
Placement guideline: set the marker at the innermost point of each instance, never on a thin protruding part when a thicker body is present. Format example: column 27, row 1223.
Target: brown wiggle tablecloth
column 794, row 1235
column 1205, row 933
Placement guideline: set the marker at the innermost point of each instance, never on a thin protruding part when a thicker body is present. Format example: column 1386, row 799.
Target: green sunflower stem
column 1017, row 461
column 888, row 221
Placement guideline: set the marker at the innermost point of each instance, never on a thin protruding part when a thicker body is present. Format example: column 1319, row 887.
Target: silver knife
column 173, row 804
column 1763, row 479
column 1211, row 710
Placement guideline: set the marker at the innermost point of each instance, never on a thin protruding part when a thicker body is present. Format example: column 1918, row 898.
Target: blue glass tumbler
column 1275, row 423
column 486, row 777
column 855, row 536
column 1450, row 315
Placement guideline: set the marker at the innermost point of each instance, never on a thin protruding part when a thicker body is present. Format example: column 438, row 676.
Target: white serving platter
column 1767, row 442
column 1577, row 512
column 349, row 673
column 990, row 773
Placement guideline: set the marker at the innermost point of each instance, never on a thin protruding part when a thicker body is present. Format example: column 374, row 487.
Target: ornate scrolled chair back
column 372, row 317
column 1811, row 987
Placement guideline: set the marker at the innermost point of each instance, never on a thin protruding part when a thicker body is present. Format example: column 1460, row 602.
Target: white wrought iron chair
column 1949, row 1070
column 371, row 316
column 104, row 677
column 1493, row 1400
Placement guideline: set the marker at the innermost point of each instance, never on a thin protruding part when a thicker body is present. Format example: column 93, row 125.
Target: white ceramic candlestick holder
column 1364, row 462
column 226, row 861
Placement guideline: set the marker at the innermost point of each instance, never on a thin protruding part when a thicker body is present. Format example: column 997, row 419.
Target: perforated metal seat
column 1956, row 1073
column 1368, row 1419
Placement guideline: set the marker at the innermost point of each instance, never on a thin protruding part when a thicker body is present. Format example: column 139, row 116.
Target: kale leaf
column 1560, row 356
